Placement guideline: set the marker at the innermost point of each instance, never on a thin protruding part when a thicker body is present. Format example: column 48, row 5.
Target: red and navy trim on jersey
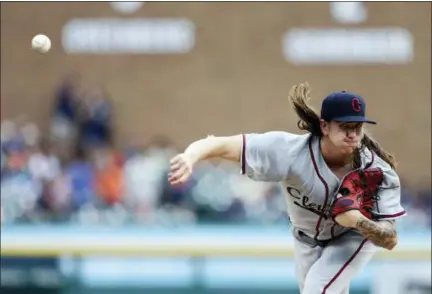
column 318, row 224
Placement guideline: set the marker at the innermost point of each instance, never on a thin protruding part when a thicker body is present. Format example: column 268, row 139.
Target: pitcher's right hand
column 180, row 169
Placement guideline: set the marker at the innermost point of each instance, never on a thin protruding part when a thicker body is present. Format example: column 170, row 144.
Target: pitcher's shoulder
column 289, row 141
column 287, row 137
column 270, row 156
column 371, row 159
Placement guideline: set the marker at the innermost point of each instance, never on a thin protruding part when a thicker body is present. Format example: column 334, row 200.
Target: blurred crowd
column 74, row 173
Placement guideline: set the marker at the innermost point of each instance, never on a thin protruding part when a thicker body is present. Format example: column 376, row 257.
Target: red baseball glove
column 358, row 191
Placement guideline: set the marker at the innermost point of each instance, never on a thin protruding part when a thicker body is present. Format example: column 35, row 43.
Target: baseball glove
column 358, row 191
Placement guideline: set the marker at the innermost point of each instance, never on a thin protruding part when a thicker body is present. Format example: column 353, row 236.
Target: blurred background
column 87, row 130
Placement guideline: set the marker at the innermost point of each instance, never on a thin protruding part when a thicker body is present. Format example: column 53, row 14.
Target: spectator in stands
column 19, row 191
column 147, row 192
column 65, row 109
column 30, row 134
column 81, row 174
column 56, row 199
column 11, row 138
column 43, row 164
column 143, row 175
column 15, row 161
column 14, row 149
column 95, row 119
column 109, row 179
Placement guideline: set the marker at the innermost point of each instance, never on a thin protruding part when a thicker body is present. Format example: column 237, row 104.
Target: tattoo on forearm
column 382, row 234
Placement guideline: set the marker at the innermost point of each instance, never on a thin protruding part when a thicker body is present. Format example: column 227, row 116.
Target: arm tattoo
column 382, row 234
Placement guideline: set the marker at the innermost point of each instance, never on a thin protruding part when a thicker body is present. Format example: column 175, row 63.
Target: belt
column 302, row 237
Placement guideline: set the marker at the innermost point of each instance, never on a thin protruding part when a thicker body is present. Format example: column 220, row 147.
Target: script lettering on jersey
column 304, row 202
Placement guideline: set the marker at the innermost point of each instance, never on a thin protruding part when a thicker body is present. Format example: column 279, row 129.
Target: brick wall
column 234, row 80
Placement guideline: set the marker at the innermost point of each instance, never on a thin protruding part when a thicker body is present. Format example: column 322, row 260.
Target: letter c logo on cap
column 356, row 104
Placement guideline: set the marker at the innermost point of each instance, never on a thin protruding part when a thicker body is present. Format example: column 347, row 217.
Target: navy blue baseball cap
column 344, row 107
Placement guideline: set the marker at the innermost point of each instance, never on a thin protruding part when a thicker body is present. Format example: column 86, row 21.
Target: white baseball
column 41, row 43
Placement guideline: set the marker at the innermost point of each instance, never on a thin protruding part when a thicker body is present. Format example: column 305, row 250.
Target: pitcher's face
column 345, row 136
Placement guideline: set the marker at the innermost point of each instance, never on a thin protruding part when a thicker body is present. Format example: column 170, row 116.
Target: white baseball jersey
column 297, row 163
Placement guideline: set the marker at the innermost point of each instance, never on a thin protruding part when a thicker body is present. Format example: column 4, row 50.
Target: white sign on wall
column 350, row 45
column 128, row 36
column 390, row 45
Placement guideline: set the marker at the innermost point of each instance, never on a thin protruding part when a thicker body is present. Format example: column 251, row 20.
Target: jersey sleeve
column 388, row 205
column 268, row 156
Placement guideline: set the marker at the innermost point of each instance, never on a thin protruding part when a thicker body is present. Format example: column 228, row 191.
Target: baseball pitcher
column 342, row 191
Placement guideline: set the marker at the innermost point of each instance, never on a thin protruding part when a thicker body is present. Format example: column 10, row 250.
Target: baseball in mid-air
column 41, row 43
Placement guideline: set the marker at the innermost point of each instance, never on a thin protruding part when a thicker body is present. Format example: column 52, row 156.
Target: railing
column 190, row 241
column 269, row 249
